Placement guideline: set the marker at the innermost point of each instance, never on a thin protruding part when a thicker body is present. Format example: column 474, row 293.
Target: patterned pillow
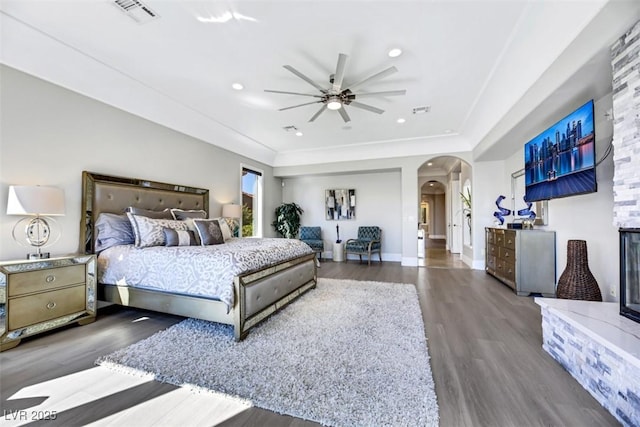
column 165, row 214
column 181, row 214
column 149, row 231
column 225, row 228
column 209, row 231
column 179, row 238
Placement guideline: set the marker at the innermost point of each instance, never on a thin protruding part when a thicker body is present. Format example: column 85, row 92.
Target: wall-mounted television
column 560, row 162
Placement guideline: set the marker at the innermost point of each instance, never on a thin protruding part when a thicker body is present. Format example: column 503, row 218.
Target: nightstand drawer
column 43, row 280
column 25, row 311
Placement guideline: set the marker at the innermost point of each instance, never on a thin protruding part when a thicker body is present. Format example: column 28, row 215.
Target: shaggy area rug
column 348, row 353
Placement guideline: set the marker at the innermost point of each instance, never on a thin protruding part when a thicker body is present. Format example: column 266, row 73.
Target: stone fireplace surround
column 591, row 340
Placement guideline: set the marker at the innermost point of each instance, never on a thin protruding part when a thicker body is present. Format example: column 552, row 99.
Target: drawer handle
column 51, row 305
column 50, row 278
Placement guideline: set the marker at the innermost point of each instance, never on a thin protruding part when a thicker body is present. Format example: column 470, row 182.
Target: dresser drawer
column 491, row 263
column 493, row 250
column 509, row 239
column 42, row 280
column 509, row 271
column 508, row 255
column 25, row 311
column 491, row 237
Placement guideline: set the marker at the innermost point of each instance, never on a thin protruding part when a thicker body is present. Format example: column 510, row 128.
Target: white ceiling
column 470, row 61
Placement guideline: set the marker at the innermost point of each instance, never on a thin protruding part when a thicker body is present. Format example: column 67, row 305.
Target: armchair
column 312, row 236
column 369, row 241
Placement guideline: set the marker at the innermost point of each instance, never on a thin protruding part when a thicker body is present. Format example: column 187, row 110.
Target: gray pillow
column 111, row 230
column 179, row 237
column 165, row 214
column 181, row 214
column 209, row 231
column 148, row 231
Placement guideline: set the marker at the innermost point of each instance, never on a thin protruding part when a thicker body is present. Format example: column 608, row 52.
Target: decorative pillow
column 148, row 231
column 165, row 214
column 209, row 231
column 225, row 228
column 111, row 230
column 181, row 214
column 178, row 237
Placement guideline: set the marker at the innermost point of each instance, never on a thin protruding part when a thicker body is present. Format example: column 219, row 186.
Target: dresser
column 40, row 295
column 525, row 260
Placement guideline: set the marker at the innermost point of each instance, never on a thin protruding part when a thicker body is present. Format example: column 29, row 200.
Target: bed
column 257, row 288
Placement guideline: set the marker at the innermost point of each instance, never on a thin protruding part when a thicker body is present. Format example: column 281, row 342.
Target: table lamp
column 37, row 203
column 233, row 212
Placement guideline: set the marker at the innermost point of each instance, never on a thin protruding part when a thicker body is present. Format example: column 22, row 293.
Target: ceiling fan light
column 334, row 104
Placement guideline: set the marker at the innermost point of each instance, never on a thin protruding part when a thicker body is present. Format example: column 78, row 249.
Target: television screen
column 560, row 161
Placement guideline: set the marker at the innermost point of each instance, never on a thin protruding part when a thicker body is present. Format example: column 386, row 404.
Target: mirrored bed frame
column 258, row 294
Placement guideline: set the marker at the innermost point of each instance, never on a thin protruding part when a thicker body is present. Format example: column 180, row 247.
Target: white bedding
column 206, row 271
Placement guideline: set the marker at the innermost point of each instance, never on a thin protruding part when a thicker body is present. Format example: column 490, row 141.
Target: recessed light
column 237, row 86
column 395, row 52
column 431, row 184
column 299, row 133
column 401, row 120
column 429, row 164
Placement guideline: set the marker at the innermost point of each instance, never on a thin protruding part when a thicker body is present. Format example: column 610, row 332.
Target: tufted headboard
column 111, row 194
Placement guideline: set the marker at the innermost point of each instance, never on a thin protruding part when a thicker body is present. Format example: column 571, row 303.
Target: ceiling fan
column 337, row 96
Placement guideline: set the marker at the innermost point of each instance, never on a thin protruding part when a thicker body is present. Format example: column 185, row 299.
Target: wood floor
column 484, row 341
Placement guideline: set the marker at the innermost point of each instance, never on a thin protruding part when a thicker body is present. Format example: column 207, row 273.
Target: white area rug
column 348, row 353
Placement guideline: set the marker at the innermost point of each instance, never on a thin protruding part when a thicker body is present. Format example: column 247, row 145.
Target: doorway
column 441, row 212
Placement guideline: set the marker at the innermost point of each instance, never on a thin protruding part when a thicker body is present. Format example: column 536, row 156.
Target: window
column 251, row 184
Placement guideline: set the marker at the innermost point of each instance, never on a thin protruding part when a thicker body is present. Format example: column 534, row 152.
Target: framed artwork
column 340, row 204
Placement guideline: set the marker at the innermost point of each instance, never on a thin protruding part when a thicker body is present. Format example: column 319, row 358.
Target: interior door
column 455, row 246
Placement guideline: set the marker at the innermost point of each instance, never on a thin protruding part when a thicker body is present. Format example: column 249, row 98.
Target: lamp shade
column 35, row 200
column 232, row 211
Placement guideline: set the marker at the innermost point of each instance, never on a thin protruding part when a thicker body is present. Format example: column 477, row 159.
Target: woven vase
column 576, row 281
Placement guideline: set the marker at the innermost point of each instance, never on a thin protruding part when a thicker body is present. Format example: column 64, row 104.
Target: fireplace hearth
column 630, row 273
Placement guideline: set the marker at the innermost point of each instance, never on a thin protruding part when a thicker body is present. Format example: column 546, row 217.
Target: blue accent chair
column 312, row 236
column 369, row 241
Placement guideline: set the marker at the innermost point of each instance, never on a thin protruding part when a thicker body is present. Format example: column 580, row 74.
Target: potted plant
column 287, row 221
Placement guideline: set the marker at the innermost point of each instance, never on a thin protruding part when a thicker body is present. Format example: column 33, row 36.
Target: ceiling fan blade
column 385, row 93
column 320, row 111
column 366, row 107
column 291, row 93
column 339, row 75
column 381, row 74
column 305, row 78
column 299, row 105
column 344, row 115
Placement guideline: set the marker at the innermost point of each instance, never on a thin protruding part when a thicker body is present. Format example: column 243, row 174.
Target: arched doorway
column 442, row 211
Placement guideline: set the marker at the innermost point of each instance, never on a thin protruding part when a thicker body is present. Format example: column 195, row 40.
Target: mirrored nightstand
column 40, row 295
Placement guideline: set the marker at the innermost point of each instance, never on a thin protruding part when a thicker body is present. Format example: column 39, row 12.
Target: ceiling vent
column 136, row 10
column 421, row 110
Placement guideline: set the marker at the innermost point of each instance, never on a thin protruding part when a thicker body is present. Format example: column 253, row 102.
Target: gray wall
column 49, row 135
column 378, row 202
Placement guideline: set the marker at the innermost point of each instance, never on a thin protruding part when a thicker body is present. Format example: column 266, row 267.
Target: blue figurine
column 527, row 213
column 502, row 212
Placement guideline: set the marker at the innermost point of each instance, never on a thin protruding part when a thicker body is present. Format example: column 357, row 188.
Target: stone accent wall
column 625, row 61
column 612, row 379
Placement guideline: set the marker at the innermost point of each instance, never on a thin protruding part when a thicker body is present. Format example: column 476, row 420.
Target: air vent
column 421, row 110
column 136, row 10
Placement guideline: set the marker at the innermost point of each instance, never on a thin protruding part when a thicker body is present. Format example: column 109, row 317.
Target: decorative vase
column 576, row 281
